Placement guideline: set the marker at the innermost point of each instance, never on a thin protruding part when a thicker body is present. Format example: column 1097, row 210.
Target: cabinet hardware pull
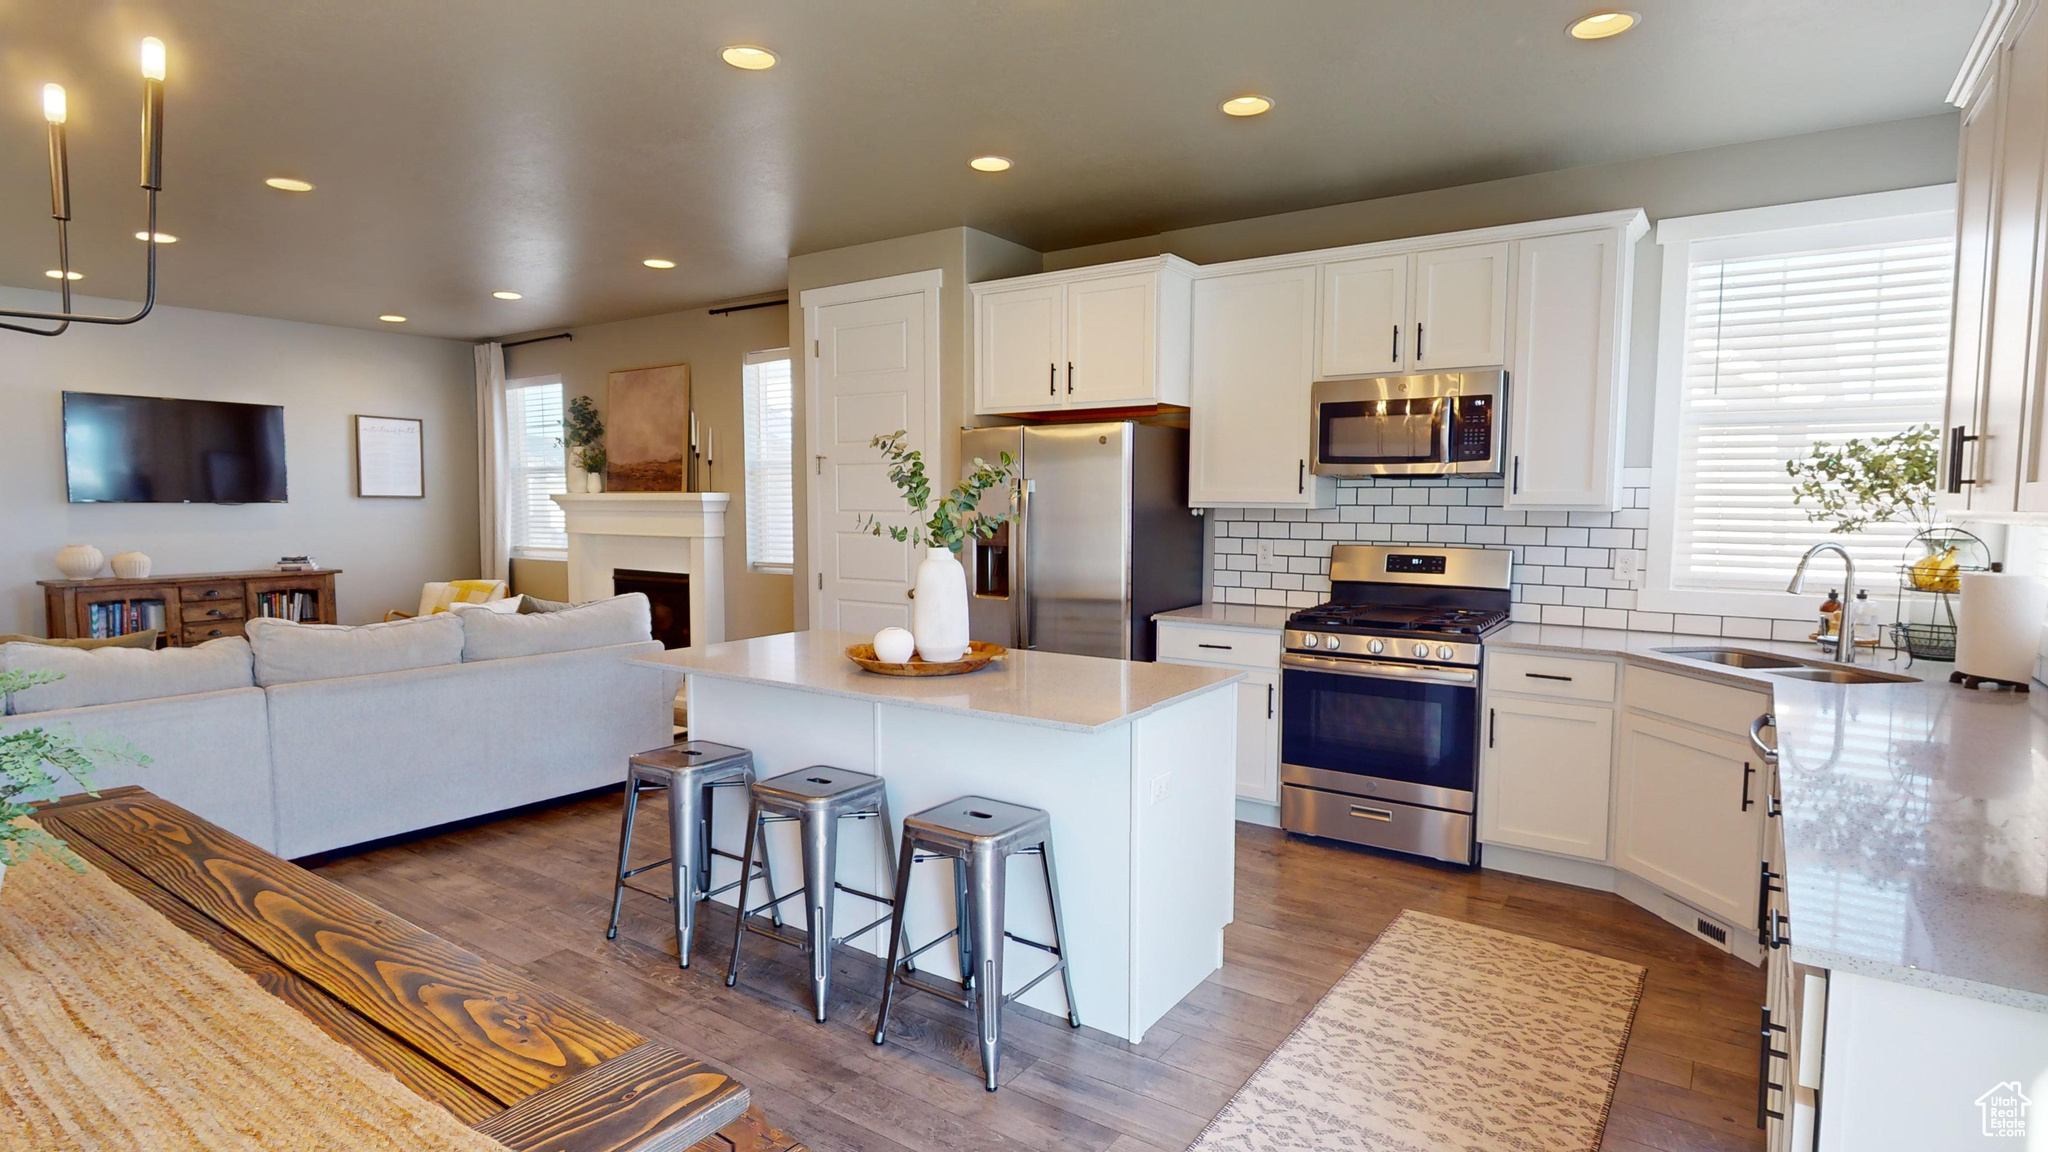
column 1547, row 676
column 1397, row 344
column 1269, row 701
column 910, row 594
column 1490, row 717
column 819, row 468
column 1225, row 647
column 1516, row 488
column 1300, row 476
column 1052, row 379
column 1764, row 889
column 1385, row 815
column 1781, row 926
column 1070, row 377
column 1418, row 341
column 212, row 593
column 1764, row 1053
column 1956, row 440
column 1747, row 772
column 213, row 612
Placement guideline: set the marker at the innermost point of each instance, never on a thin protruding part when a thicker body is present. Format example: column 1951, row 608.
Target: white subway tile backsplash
column 1466, row 514
column 1573, row 617
column 1566, row 537
column 1586, row 597
column 1290, row 515
column 1606, row 618
column 1415, row 533
column 1650, row 621
column 1485, row 535
column 1745, row 628
column 1537, row 554
column 1610, row 538
column 1447, row 533
column 1697, row 625
column 1447, row 496
column 1587, row 557
column 1429, row 514
column 1519, row 535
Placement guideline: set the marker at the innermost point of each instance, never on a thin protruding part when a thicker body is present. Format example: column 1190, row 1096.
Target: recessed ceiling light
column 1247, row 106
column 658, row 262
column 60, row 274
column 508, row 295
column 287, row 184
column 748, row 56
column 161, row 237
column 1601, row 25
column 990, row 163
column 392, row 318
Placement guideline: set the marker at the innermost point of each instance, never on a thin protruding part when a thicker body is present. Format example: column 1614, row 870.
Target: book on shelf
column 298, row 606
column 107, row 619
column 297, row 564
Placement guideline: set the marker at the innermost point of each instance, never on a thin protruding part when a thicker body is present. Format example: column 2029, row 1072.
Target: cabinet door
column 1976, row 184
column 1258, row 737
column 1112, row 340
column 1545, row 776
column 1020, row 341
column 1564, row 387
column 1364, row 316
column 1461, row 308
column 1690, row 818
column 1251, row 367
column 2012, row 370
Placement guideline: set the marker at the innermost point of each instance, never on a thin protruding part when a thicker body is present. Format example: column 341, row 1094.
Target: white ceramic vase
column 938, row 614
column 80, row 561
column 130, row 565
column 593, row 482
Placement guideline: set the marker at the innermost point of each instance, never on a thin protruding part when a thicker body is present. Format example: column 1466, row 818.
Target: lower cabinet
column 1545, row 774
column 1258, row 737
column 1689, row 818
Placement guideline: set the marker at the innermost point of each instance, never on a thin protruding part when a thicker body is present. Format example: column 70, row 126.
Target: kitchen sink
column 1734, row 657
column 1838, row 675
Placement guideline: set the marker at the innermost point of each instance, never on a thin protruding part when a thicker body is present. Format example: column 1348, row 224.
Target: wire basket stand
column 1930, row 574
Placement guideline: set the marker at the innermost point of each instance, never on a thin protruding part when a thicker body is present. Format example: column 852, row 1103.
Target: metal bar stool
column 688, row 772
column 818, row 798
column 979, row 835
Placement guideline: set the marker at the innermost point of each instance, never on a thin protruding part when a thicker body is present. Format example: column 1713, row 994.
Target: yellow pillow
column 131, row 640
column 440, row 597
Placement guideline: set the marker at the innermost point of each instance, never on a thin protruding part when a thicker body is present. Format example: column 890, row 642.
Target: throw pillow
column 506, row 607
column 132, row 640
column 599, row 624
column 442, row 595
column 531, row 604
column 289, row 653
column 118, row 675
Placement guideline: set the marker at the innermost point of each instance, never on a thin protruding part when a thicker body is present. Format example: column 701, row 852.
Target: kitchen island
column 1135, row 762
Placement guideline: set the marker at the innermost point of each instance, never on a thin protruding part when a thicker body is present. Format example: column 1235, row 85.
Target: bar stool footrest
column 963, row 999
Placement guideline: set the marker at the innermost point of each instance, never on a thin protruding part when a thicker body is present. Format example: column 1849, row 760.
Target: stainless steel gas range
column 1379, row 691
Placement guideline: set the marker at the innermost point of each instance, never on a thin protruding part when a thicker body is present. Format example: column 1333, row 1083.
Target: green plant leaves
column 1876, row 480
column 956, row 516
column 34, row 762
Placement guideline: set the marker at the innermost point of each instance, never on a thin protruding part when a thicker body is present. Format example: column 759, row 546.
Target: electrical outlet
column 1162, row 787
column 1263, row 551
column 1628, row 565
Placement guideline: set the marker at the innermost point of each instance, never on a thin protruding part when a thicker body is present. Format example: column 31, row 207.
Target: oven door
column 1396, row 731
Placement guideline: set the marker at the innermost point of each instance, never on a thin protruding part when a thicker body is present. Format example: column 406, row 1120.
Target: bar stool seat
column 687, row 772
column 817, row 799
column 979, row 835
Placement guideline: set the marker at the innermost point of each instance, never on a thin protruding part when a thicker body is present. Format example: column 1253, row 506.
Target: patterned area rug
column 1445, row 1036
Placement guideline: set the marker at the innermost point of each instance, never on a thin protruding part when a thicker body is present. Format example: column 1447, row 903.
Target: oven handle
column 1375, row 670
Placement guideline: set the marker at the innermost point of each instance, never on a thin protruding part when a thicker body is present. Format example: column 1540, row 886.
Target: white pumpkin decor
column 130, row 565
column 895, row 645
column 80, row 561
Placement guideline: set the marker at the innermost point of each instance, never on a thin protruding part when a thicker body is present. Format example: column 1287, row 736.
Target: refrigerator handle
column 1021, row 578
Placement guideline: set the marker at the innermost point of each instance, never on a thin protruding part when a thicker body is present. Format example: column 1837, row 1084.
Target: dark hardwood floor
column 534, row 892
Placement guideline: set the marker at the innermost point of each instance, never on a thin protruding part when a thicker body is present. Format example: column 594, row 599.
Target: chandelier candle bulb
column 153, row 118
column 55, row 110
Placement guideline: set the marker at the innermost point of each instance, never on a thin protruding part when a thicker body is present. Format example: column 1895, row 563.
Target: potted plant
column 583, row 435
column 33, row 763
column 938, row 611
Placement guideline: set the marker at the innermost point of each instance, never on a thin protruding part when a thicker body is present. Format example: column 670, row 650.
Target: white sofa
column 301, row 766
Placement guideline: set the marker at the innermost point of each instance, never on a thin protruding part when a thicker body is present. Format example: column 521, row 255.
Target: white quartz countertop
column 1916, row 815
column 1247, row 617
column 1047, row 689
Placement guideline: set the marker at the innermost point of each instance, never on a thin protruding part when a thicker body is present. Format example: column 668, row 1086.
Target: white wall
column 321, row 375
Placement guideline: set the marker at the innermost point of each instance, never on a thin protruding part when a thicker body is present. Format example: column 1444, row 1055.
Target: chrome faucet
column 1845, row 632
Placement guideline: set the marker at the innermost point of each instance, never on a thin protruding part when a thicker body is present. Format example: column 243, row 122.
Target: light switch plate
column 1262, row 550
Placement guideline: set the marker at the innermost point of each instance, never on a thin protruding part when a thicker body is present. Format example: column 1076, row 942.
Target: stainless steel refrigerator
column 1102, row 539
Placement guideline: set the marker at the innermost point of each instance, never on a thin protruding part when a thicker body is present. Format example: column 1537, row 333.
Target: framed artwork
column 389, row 458
column 647, row 429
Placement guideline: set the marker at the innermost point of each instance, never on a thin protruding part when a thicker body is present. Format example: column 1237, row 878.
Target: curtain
column 493, row 457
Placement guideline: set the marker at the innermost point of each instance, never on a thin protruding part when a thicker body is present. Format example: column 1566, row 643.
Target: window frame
column 748, row 394
column 516, row 469
column 1849, row 219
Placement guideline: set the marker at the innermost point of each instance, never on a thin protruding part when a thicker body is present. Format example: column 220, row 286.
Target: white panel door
column 1258, row 737
column 1365, row 315
column 1545, row 776
column 1112, row 340
column 1691, row 815
column 1252, row 365
column 872, row 379
column 1020, row 349
column 1460, row 308
column 1564, row 402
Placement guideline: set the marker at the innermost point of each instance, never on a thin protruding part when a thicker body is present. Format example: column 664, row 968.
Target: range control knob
column 1445, row 652
column 1309, row 638
column 1421, row 651
column 1375, row 646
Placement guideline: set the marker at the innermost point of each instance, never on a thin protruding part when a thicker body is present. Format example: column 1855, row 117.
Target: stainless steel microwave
column 1442, row 424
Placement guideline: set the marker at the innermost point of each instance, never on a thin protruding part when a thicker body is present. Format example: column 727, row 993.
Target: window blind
column 1788, row 345
column 771, row 502
column 533, row 413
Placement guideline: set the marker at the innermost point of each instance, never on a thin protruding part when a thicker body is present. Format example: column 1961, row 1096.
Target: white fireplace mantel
column 655, row 531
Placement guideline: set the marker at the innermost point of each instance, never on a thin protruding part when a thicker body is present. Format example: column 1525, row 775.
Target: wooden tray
column 979, row 655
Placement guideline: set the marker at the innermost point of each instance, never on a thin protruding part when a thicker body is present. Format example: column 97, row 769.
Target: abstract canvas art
column 647, row 429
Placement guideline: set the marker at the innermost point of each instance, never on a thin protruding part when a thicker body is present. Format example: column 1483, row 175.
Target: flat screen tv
column 152, row 450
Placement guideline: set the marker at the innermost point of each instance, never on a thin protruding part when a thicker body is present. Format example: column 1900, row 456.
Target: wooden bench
column 510, row 1058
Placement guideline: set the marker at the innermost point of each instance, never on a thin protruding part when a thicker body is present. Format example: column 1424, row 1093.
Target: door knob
column 910, row 594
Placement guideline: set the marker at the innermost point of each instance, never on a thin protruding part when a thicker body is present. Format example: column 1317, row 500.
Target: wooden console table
column 189, row 609
column 455, row 1028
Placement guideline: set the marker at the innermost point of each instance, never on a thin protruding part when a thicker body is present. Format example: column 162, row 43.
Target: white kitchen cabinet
column 1251, row 370
column 1460, row 308
column 1364, row 316
column 1258, row 737
column 1569, row 370
column 1689, row 814
column 1545, row 775
column 1111, row 336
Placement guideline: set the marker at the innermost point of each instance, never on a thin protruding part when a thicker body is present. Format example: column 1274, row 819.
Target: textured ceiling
column 547, row 147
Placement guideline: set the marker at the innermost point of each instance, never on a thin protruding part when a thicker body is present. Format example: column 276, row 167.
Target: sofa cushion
column 504, row 606
column 146, row 639
column 619, row 620
column 529, row 604
column 116, row 675
column 287, row 653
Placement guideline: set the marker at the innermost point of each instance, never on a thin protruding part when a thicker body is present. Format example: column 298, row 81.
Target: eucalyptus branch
column 34, row 763
column 955, row 517
column 1876, row 480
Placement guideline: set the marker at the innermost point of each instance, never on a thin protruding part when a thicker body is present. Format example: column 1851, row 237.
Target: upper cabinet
column 1566, row 379
column 1112, row 336
column 1364, row 316
column 1430, row 311
column 1253, row 363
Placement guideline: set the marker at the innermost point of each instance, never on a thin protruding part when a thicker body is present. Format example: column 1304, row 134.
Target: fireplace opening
column 668, row 593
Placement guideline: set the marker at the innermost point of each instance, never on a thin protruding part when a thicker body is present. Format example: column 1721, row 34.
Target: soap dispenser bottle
column 1831, row 613
column 1863, row 618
